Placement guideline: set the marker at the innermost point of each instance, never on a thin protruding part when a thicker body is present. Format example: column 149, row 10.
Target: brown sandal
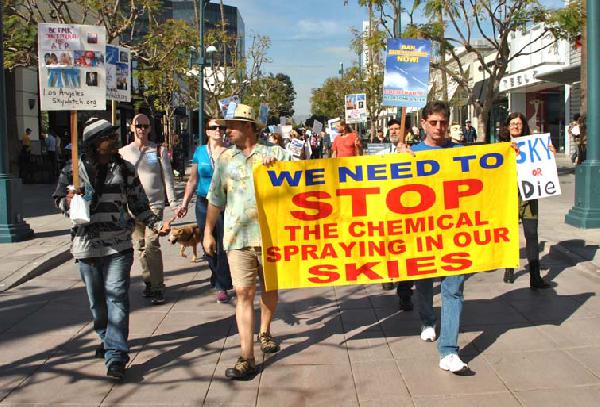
column 267, row 343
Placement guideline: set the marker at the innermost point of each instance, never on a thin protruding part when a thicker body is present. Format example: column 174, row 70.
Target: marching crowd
column 129, row 188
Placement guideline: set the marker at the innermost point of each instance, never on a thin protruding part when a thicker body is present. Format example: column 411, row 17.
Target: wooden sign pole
column 402, row 126
column 113, row 115
column 74, row 150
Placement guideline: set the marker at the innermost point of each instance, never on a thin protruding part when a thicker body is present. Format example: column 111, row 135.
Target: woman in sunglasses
column 517, row 126
column 203, row 164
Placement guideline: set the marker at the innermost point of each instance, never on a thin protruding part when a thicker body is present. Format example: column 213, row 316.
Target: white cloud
column 395, row 80
column 320, row 28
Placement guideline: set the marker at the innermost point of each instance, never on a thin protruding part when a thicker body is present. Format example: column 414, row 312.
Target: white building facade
column 545, row 103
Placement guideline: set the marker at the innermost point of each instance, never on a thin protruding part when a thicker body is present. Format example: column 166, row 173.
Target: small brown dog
column 187, row 236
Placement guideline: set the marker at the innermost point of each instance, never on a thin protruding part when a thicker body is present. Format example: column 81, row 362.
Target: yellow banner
column 384, row 218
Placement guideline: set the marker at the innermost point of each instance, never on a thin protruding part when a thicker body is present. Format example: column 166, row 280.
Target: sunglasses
column 223, row 128
column 434, row 123
column 142, row 126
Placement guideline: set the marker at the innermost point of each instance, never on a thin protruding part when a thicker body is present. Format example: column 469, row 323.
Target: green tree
column 328, row 100
column 21, row 17
column 163, row 67
column 229, row 73
column 490, row 22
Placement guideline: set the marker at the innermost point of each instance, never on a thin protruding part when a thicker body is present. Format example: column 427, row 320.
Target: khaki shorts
column 245, row 265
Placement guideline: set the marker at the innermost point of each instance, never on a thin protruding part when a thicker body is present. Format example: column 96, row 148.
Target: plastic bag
column 79, row 211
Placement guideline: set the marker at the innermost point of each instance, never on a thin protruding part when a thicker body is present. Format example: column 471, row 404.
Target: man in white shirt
column 154, row 171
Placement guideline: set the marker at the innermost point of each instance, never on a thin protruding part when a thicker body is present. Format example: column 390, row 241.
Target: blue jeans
column 221, row 276
column 452, row 303
column 107, row 284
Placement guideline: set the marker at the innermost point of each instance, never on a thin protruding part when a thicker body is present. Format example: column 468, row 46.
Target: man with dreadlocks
column 103, row 247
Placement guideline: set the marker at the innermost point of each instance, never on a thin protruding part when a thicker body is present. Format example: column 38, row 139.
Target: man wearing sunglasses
column 434, row 121
column 232, row 189
column 153, row 167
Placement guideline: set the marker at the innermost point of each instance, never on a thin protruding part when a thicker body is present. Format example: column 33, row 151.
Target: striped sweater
column 110, row 227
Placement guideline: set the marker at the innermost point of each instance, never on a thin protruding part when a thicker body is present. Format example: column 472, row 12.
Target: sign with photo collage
column 72, row 72
column 356, row 108
column 118, row 73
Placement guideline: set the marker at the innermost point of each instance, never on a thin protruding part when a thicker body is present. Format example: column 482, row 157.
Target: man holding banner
column 232, row 188
column 435, row 123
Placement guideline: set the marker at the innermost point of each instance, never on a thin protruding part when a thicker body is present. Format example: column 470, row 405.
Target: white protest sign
column 356, row 108
column 296, row 147
column 71, row 67
column 536, row 167
column 380, row 148
column 285, row 131
column 317, row 127
column 118, row 73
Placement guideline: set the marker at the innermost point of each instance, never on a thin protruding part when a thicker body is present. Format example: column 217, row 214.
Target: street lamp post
column 586, row 211
column 201, row 63
column 12, row 226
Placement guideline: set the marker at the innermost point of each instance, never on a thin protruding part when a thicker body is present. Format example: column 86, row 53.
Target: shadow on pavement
column 373, row 315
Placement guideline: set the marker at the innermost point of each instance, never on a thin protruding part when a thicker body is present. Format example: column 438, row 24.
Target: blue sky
column 309, row 37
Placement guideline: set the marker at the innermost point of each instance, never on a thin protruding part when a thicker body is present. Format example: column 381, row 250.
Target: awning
column 566, row 76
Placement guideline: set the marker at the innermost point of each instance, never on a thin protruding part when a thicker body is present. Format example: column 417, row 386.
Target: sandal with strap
column 242, row 370
column 267, row 343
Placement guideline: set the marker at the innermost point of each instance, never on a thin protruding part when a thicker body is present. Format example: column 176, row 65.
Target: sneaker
column 157, row 298
column 242, row 370
column 453, row 363
column 116, row 369
column 147, row 293
column 428, row 334
column 267, row 343
column 406, row 304
column 387, row 286
column 222, row 297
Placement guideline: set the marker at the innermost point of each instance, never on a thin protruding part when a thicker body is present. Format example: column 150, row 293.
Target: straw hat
column 242, row 113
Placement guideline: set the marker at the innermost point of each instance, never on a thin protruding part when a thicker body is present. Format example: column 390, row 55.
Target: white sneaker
column 428, row 334
column 452, row 363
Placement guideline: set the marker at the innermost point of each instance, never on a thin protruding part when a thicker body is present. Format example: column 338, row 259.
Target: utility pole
column 586, row 211
column 12, row 226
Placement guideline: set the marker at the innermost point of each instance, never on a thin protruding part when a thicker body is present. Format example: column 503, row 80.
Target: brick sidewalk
column 347, row 346
column 50, row 245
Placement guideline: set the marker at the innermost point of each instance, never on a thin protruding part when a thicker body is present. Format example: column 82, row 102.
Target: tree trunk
column 440, row 18
column 370, row 70
column 222, row 10
column 482, row 122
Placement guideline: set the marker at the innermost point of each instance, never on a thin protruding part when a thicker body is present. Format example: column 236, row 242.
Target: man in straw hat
column 232, row 188
column 103, row 246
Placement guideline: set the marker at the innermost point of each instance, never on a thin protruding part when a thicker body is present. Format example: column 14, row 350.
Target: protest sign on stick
column 356, row 108
column 317, row 127
column 406, row 75
column 72, row 73
column 118, row 73
column 71, row 67
column 386, row 218
column 536, row 167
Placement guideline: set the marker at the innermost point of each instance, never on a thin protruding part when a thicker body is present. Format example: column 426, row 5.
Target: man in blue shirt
column 469, row 133
column 435, row 124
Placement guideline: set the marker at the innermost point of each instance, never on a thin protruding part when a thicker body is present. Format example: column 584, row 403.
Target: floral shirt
column 232, row 188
